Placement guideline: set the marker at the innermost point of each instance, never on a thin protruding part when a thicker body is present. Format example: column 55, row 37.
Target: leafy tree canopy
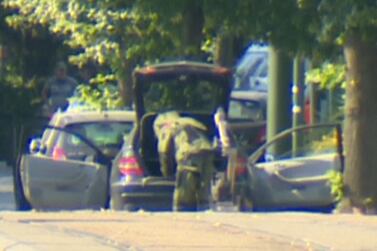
column 106, row 32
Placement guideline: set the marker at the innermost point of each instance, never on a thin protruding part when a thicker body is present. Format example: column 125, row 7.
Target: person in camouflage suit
column 182, row 140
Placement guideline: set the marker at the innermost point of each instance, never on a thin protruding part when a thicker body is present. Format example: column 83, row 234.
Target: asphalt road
column 185, row 231
column 223, row 231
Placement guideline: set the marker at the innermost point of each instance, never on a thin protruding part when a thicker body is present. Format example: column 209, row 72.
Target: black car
column 193, row 89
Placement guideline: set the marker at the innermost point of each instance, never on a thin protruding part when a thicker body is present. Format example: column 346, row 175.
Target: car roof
column 250, row 95
column 62, row 119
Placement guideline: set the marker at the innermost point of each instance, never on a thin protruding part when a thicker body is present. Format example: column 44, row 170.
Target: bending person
column 182, row 143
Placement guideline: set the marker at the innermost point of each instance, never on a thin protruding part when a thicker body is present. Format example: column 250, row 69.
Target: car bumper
column 151, row 193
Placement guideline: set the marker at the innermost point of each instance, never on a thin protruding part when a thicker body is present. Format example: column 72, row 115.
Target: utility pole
column 298, row 92
column 298, row 101
column 279, row 114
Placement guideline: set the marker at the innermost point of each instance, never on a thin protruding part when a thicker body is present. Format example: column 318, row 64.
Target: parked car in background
column 292, row 171
column 251, row 72
column 192, row 89
column 69, row 166
column 247, row 117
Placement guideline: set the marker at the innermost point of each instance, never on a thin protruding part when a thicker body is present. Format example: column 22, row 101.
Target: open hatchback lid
column 186, row 87
column 193, row 89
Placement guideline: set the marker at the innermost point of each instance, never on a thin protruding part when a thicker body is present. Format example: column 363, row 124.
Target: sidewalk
column 209, row 231
column 29, row 237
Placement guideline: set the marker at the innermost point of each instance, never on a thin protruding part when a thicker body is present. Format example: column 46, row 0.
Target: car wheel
column 22, row 204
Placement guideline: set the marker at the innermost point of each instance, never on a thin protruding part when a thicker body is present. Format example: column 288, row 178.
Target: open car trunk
column 192, row 89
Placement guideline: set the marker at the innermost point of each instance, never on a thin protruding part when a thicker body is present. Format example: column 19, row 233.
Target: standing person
column 182, row 140
column 58, row 89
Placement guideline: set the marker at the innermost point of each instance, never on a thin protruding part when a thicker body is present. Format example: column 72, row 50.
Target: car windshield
column 185, row 93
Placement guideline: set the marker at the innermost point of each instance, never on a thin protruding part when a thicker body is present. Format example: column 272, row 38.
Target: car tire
column 21, row 203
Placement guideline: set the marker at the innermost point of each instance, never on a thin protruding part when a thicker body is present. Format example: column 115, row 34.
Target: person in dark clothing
column 182, row 140
column 58, row 89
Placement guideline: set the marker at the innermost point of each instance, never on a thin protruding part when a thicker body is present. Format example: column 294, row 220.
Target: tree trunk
column 193, row 21
column 224, row 54
column 279, row 101
column 125, row 83
column 360, row 130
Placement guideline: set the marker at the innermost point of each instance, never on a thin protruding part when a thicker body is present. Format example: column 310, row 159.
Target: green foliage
column 19, row 102
column 336, row 182
column 100, row 97
column 17, row 97
column 110, row 32
column 342, row 18
column 105, row 32
column 328, row 76
column 326, row 143
column 116, row 35
column 314, row 27
column 331, row 78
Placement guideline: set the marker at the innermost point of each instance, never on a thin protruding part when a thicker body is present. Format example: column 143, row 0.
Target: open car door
column 65, row 177
column 292, row 170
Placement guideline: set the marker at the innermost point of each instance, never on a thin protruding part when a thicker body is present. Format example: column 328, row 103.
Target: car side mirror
column 35, row 146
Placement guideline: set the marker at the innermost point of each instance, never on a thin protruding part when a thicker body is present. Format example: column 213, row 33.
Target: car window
column 69, row 146
column 251, row 72
column 185, row 93
column 104, row 135
column 245, row 110
column 101, row 133
column 303, row 143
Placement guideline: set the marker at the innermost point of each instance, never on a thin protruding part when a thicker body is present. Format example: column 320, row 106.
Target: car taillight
column 130, row 166
column 241, row 166
column 221, row 70
column 148, row 71
column 58, row 154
